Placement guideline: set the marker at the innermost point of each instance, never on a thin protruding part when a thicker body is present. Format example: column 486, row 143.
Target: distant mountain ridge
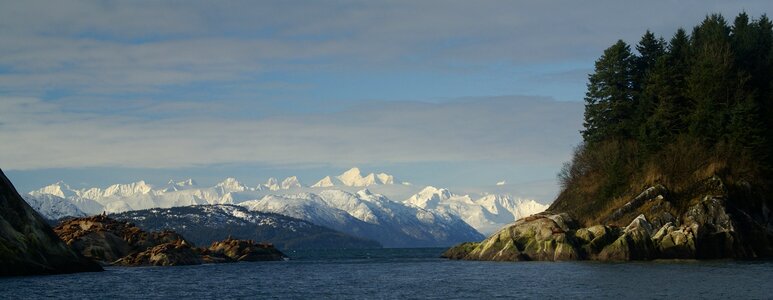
column 204, row 224
column 431, row 217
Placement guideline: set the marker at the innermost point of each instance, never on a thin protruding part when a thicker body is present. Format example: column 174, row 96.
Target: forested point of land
column 675, row 112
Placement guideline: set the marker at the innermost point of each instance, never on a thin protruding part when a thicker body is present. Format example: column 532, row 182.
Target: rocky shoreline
column 711, row 228
column 120, row 243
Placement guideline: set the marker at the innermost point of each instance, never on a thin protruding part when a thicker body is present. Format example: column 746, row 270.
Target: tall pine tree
column 610, row 97
column 666, row 88
column 713, row 84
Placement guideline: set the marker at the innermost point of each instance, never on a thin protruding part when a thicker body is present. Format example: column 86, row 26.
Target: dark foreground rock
column 121, row 243
column 712, row 227
column 28, row 246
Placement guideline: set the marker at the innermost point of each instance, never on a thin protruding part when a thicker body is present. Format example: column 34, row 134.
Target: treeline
column 714, row 84
column 674, row 112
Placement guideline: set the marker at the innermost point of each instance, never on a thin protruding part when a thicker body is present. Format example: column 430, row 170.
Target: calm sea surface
column 406, row 273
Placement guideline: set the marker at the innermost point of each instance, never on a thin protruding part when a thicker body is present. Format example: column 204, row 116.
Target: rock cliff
column 28, row 246
column 717, row 223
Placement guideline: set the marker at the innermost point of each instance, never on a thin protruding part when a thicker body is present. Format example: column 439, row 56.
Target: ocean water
column 405, row 274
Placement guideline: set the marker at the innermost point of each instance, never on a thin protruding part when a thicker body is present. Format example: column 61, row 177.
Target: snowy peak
column 271, row 184
column 230, row 185
column 291, row 182
column 173, row 186
column 487, row 213
column 128, row 190
column 59, row 189
column 429, row 197
column 324, row 182
column 385, row 178
column 353, row 177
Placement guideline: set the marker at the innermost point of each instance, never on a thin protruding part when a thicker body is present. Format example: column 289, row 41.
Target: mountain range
column 347, row 203
column 205, row 224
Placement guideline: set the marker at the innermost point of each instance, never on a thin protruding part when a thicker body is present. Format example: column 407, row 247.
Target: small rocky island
column 114, row 242
column 676, row 156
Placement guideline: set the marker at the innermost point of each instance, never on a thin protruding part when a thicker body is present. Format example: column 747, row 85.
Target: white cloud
column 38, row 134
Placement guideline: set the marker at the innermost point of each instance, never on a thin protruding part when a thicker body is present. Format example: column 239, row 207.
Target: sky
column 456, row 94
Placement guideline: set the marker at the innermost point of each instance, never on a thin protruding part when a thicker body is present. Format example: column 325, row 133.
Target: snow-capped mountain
column 487, row 213
column 53, row 207
column 372, row 216
column 230, row 185
column 59, row 189
column 428, row 217
column 204, row 224
column 290, row 183
column 173, row 186
column 353, row 178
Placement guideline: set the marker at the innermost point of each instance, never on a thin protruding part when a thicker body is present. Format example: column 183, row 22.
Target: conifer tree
column 609, row 100
column 712, row 84
column 666, row 87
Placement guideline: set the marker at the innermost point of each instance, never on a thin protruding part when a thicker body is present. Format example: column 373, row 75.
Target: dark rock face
column 711, row 228
column 121, row 243
column 28, row 246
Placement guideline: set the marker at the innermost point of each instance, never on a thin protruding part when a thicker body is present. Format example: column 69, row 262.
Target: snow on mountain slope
column 337, row 202
column 384, row 178
column 352, row 177
column 229, row 185
column 371, row 216
column 53, row 207
column 290, row 183
column 127, row 190
column 324, row 182
column 486, row 214
column 59, row 189
column 173, row 186
column 271, row 184
column 204, row 224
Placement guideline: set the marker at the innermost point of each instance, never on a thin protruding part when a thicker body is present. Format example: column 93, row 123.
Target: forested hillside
column 675, row 113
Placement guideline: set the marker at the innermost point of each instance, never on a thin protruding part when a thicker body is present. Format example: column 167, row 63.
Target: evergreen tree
column 650, row 50
column 666, row 87
column 609, row 100
column 712, row 84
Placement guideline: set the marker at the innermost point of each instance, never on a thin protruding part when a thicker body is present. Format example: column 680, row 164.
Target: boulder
column 533, row 238
column 714, row 230
column 634, row 244
column 675, row 242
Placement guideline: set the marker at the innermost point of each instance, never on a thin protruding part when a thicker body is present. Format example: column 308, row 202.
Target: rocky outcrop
column 710, row 228
column 244, row 250
column 27, row 244
column 107, row 240
column 175, row 253
column 121, row 243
